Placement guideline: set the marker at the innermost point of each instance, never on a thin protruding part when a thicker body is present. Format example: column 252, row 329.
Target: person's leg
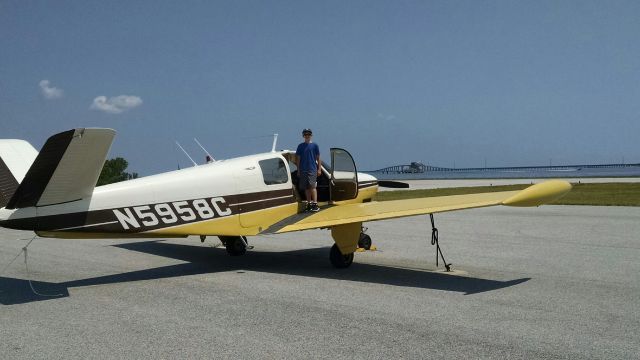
column 312, row 183
column 303, row 182
column 313, row 192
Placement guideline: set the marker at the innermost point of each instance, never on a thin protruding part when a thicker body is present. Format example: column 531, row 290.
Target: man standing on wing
column 309, row 168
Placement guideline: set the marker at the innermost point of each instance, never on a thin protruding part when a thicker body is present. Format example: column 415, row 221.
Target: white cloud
column 116, row 104
column 50, row 92
column 386, row 117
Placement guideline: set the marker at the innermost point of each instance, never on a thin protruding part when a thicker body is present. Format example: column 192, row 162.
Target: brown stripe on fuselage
column 366, row 184
column 244, row 203
column 105, row 221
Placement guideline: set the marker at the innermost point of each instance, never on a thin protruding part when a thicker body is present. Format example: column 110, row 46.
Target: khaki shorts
column 307, row 180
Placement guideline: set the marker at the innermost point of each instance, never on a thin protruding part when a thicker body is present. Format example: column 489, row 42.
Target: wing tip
column 539, row 194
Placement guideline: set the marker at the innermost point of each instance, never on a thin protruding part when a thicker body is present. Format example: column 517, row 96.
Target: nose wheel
column 365, row 240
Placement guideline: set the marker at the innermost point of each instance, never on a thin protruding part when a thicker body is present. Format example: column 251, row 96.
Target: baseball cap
column 307, row 131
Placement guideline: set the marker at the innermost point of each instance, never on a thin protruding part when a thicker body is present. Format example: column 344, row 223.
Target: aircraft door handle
column 250, row 168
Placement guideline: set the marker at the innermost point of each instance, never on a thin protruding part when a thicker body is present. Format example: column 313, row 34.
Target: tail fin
column 16, row 156
column 66, row 169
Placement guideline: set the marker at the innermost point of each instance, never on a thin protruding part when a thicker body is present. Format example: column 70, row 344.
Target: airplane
column 54, row 194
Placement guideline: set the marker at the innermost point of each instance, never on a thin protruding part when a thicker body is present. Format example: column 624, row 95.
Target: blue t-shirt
column 307, row 153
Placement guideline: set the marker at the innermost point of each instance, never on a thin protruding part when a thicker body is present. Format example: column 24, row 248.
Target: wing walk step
column 292, row 220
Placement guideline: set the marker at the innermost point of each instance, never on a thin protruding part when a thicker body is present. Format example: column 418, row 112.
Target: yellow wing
column 534, row 195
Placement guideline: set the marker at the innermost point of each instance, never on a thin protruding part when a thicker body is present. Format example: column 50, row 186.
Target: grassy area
column 609, row 194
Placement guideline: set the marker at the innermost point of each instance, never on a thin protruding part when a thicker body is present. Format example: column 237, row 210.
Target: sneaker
column 314, row 207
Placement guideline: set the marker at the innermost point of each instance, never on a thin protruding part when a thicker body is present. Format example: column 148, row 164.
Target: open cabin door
column 344, row 176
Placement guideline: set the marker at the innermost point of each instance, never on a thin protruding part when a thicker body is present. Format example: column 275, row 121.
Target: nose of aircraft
column 362, row 177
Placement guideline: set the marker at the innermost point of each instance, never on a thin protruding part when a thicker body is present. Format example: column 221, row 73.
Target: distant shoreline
column 595, row 194
column 513, row 177
column 416, row 184
column 605, row 171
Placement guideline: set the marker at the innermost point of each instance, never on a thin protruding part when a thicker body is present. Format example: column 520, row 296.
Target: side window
column 292, row 166
column 291, row 159
column 274, row 171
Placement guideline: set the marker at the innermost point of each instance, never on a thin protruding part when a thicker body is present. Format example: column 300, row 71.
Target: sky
column 464, row 83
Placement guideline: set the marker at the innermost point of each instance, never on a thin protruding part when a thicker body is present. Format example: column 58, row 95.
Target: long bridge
column 417, row 167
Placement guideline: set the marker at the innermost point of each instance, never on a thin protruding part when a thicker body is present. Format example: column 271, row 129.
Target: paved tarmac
column 555, row 282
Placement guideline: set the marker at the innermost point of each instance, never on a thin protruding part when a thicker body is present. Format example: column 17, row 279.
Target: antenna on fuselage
column 185, row 152
column 205, row 150
column 275, row 141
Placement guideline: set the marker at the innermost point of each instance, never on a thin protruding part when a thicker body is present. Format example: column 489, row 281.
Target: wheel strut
column 434, row 241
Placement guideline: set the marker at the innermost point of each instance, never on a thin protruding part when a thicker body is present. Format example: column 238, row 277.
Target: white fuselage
column 198, row 193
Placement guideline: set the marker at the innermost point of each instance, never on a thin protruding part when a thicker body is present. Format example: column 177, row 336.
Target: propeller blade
column 393, row 184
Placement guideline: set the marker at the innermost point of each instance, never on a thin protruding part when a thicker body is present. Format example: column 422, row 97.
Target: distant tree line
column 114, row 171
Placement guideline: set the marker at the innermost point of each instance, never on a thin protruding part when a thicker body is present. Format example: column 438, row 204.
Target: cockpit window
column 273, row 171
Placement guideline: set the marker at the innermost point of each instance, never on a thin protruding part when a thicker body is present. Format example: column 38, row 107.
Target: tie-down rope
column 26, row 265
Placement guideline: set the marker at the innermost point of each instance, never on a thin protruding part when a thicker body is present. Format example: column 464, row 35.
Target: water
column 515, row 174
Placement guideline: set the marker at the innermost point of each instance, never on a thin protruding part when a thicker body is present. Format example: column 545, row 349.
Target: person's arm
column 319, row 164
column 297, row 163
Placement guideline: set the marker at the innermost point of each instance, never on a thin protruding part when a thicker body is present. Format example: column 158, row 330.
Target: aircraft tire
column 338, row 260
column 364, row 241
column 234, row 245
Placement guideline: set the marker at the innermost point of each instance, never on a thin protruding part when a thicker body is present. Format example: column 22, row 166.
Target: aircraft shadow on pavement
column 202, row 260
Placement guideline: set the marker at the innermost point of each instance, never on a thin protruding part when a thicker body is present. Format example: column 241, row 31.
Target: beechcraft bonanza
column 53, row 193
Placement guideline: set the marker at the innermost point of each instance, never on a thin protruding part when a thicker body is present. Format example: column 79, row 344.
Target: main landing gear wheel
column 364, row 241
column 339, row 260
column 235, row 245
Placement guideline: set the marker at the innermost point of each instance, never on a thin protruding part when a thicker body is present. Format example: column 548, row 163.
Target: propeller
column 393, row 184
